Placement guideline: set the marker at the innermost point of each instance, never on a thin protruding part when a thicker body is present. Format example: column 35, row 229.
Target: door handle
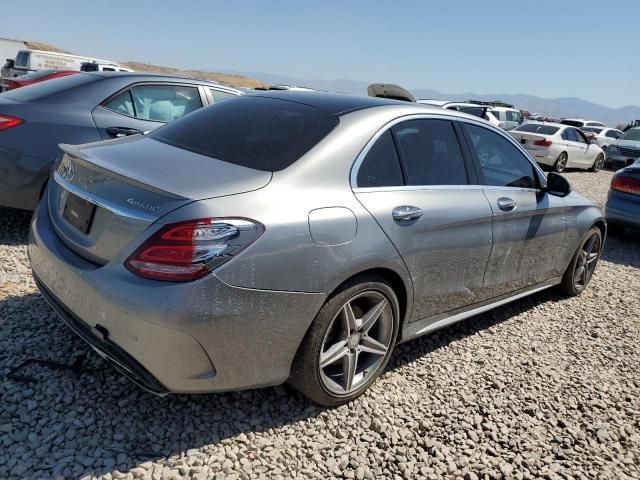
column 122, row 131
column 506, row 204
column 406, row 214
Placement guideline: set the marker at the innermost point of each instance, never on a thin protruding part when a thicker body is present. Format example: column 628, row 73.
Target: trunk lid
column 102, row 196
column 527, row 139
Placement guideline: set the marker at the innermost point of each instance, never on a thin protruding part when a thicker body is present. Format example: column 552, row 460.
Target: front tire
column 583, row 264
column 598, row 163
column 561, row 163
column 349, row 343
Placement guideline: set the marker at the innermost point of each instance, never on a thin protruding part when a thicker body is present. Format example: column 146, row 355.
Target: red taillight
column 626, row 185
column 543, row 143
column 7, row 122
column 190, row 250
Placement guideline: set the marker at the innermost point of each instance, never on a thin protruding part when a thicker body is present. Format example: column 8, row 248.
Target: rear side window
column 257, row 132
column 431, row 153
column 381, row 166
column 219, row 95
column 50, row 87
column 122, row 103
column 502, row 164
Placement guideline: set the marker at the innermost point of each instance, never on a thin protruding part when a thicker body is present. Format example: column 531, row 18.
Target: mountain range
column 550, row 107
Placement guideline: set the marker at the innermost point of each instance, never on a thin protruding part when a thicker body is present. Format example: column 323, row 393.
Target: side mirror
column 558, row 185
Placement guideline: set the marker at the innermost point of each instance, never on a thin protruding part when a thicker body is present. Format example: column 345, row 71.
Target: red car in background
column 33, row 77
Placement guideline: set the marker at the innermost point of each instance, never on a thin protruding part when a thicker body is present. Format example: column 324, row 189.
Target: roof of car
column 332, row 103
column 159, row 76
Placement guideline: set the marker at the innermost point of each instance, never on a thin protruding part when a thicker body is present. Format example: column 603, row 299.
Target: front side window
column 381, row 166
column 164, row 103
column 502, row 164
column 431, row 153
column 219, row 95
column 580, row 138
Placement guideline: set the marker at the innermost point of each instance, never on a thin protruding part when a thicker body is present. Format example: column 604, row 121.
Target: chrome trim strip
column 107, row 205
column 444, row 322
column 410, row 188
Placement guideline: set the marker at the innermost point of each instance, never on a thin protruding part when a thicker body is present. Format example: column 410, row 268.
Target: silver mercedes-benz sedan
column 298, row 237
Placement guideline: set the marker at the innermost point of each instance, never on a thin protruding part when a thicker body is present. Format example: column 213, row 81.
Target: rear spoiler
column 388, row 90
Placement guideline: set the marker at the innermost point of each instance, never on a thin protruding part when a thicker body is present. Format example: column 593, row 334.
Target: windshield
column 633, row 134
column 256, row 132
column 537, row 128
column 50, row 87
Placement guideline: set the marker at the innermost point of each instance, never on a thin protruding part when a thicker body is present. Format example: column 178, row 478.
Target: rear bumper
column 623, row 208
column 118, row 357
column 193, row 337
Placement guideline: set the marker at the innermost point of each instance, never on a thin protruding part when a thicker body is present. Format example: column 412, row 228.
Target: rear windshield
column 256, row 132
column 50, row 87
column 475, row 111
column 573, row 123
column 537, row 128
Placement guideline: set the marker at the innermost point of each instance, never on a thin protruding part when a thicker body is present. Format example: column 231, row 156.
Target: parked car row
column 559, row 146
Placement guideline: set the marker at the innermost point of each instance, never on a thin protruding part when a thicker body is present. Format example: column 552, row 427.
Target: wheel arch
column 403, row 291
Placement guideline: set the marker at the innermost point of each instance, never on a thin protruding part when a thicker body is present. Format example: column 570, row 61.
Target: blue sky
column 555, row 48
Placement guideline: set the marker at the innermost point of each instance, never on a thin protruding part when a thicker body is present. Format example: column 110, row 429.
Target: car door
column 589, row 150
column 143, row 107
column 573, row 148
column 439, row 223
column 528, row 223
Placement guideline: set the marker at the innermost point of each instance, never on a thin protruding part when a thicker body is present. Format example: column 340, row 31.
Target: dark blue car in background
column 623, row 203
column 84, row 108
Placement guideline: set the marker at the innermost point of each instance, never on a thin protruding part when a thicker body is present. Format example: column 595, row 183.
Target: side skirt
column 427, row 325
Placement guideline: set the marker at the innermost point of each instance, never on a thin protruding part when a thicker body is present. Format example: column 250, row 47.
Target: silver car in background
column 298, row 237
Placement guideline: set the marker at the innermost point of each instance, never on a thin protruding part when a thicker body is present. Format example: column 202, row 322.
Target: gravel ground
column 547, row 387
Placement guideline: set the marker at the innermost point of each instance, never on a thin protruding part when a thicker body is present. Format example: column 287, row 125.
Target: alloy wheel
column 599, row 163
column 561, row 163
column 586, row 263
column 356, row 343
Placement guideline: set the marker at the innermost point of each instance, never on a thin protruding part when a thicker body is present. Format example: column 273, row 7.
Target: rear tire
column 598, row 163
column 561, row 163
column 583, row 264
column 349, row 343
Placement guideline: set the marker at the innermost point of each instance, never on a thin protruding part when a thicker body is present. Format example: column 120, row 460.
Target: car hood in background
column 626, row 143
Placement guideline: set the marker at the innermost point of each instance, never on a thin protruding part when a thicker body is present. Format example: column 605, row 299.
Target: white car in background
column 559, row 146
column 603, row 136
column 509, row 118
column 581, row 122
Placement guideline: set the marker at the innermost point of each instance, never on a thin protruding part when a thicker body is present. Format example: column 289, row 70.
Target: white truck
column 28, row 60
